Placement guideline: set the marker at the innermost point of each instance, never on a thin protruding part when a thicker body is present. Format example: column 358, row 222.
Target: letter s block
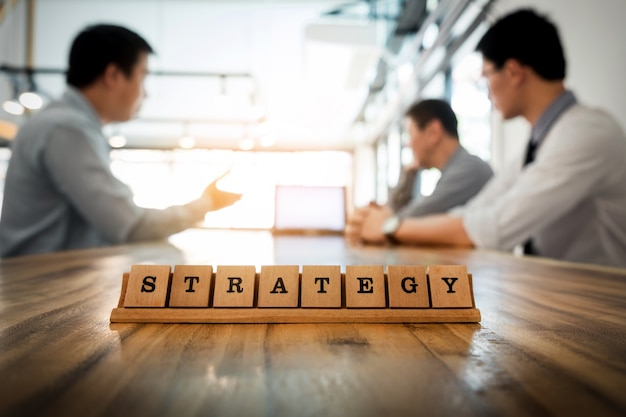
column 449, row 286
column 147, row 286
column 234, row 286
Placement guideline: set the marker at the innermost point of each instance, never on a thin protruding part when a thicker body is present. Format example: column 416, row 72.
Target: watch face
column 391, row 225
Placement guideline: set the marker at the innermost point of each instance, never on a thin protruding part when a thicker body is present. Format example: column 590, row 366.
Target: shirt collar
column 455, row 155
column 551, row 114
column 76, row 99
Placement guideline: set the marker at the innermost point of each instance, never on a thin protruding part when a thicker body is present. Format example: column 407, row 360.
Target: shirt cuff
column 481, row 227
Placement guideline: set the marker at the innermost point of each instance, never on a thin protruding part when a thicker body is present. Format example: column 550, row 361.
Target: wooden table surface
column 551, row 342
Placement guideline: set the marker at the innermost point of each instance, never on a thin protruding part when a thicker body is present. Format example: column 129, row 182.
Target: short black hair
column 424, row 111
column 529, row 38
column 97, row 46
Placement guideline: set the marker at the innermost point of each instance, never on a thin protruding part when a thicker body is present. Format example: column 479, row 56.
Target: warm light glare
column 8, row 130
column 268, row 140
column 117, row 141
column 31, row 100
column 246, row 144
column 13, row 107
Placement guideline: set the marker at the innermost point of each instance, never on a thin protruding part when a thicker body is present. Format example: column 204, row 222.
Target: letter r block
column 147, row 286
column 321, row 286
column 408, row 287
column 449, row 286
column 191, row 286
column 279, row 286
column 234, row 286
column 365, row 287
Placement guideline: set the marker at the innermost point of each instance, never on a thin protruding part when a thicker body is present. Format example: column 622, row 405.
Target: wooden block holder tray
column 256, row 314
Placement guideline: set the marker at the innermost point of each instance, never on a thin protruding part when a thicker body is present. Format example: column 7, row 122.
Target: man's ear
column 111, row 75
column 434, row 129
column 515, row 70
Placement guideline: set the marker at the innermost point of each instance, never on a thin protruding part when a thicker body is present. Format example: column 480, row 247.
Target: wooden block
column 365, row 287
column 234, row 286
column 147, row 286
column 279, row 286
column 408, row 287
column 449, row 286
column 191, row 286
column 321, row 286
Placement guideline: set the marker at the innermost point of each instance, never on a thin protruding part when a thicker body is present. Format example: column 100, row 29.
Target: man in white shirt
column 566, row 199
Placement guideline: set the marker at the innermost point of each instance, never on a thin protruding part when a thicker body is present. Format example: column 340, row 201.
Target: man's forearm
column 439, row 229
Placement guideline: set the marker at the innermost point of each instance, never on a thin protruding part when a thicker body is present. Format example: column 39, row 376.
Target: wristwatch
column 390, row 226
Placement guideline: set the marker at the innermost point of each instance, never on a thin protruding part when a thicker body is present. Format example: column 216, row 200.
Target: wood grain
column 551, row 341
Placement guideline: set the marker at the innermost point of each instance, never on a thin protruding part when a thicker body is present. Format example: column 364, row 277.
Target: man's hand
column 365, row 224
column 220, row 198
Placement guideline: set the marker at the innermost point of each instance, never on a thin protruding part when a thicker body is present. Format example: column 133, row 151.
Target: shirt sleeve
column 402, row 194
column 565, row 172
column 459, row 183
column 83, row 175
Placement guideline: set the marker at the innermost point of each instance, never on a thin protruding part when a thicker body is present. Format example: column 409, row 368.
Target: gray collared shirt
column 461, row 178
column 60, row 192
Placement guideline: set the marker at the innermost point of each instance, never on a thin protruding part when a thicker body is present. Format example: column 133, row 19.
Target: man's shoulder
column 585, row 126
column 57, row 115
column 467, row 160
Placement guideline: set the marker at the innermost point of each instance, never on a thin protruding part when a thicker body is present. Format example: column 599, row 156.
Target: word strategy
column 283, row 294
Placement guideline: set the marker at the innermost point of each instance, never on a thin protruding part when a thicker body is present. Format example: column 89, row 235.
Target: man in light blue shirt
column 60, row 192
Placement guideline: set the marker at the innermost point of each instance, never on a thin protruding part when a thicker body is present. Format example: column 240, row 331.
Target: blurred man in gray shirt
column 432, row 126
column 60, row 192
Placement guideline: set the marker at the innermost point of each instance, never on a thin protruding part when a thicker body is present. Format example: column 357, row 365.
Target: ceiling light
column 117, row 141
column 31, row 100
column 246, row 144
column 268, row 140
column 187, row 142
column 13, row 107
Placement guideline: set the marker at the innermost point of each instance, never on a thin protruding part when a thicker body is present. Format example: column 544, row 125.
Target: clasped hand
column 366, row 223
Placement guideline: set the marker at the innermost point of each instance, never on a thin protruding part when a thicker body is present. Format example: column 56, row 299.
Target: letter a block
column 279, row 286
column 147, row 286
column 234, row 286
column 321, row 286
column 190, row 286
column 408, row 287
column 449, row 286
column 365, row 287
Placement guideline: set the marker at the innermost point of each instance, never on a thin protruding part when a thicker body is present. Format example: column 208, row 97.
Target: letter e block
column 234, row 286
column 408, row 287
column 279, row 286
column 449, row 286
column 365, row 287
column 190, row 286
column 321, row 286
column 147, row 286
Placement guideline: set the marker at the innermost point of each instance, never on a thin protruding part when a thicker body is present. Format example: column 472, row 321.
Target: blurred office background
column 300, row 93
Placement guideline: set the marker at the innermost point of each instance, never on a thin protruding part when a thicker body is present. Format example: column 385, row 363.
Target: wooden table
column 552, row 340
